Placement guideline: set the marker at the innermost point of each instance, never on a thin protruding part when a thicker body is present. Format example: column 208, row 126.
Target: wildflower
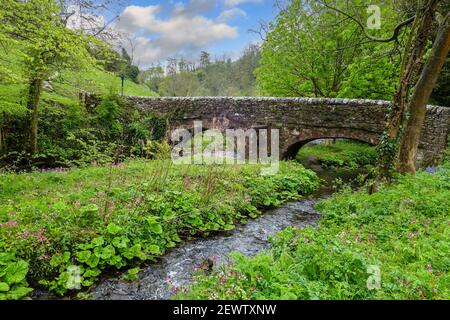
column 431, row 169
column 24, row 234
column 40, row 235
column 175, row 289
column 9, row 224
column 213, row 296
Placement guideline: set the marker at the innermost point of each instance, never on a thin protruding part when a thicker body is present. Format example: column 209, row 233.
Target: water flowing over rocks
column 175, row 269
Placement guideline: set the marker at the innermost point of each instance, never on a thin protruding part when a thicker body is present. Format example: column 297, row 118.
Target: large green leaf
column 16, row 272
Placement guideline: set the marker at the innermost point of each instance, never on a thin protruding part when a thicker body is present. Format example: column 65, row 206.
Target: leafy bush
column 402, row 231
column 13, row 285
column 71, row 226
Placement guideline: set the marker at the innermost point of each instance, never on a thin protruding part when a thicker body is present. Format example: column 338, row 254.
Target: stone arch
column 298, row 119
column 292, row 145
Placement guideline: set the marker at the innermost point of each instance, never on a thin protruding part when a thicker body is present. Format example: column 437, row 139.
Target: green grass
column 343, row 153
column 65, row 86
column 99, row 218
column 402, row 231
column 98, row 81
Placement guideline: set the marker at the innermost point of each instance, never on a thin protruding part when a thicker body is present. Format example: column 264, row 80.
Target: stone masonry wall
column 300, row 120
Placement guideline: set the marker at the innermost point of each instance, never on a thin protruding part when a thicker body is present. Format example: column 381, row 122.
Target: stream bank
column 158, row 281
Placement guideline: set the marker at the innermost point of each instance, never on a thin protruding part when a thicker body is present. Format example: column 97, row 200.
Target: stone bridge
column 300, row 120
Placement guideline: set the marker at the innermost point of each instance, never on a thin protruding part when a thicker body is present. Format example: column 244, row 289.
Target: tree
column 308, row 50
column 205, row 59
column 416, row 82
column 217, row 78
column 417, row 105
column 152, row 77
column 36, row 26
column 243, row 70
column 373, row 75
column 183, row 84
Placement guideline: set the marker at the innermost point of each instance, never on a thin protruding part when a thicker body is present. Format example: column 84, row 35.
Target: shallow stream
column 175, row 269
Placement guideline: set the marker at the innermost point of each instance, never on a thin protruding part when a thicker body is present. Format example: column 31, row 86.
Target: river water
column 174, row 270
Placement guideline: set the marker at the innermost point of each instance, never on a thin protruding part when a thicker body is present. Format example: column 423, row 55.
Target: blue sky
column 161, row 29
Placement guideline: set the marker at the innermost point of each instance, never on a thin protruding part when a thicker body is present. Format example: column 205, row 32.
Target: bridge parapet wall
column 300, row 120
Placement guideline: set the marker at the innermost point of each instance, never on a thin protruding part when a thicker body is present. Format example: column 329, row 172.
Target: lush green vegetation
column 342, row 153
column 72, row 135
column 302, row 58
column 402, row 230
column 206, row 77
column 45, row 66
column 116, row 209
column 120, row 216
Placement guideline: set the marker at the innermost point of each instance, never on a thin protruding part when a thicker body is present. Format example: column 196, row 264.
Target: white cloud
column 87, row 22
column 231, row 13
column 183, row 30
column 232, row 3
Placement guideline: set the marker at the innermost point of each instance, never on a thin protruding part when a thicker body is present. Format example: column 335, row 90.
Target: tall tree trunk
column 34, row 97
column 420, row 98
column 410, row 69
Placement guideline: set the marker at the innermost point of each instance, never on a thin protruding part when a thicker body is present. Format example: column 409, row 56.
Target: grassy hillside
column 67, row 131
column 63, row 88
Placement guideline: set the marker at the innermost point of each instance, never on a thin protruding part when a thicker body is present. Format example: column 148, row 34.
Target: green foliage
column 46, row 44
column 109, row 113
column 402, row 230
column 371, row 76
column 221, row 77
column 71, row 135
column 13, row 271
column 71, row 226
column 312, row 51
column 343, row 153
column 45, row 67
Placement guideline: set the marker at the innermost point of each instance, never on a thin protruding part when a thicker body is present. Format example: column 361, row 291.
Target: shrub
column 13, row 271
